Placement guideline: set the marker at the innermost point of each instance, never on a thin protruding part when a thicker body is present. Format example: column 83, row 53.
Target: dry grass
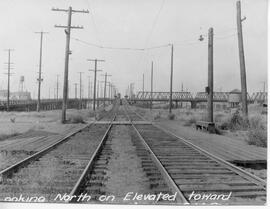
column 157, row 115
column 189, row 122
column 171, row 116
column 6, row 136
column 253, row 131
column 76, row 119
column 257, row 132
column 255, row 127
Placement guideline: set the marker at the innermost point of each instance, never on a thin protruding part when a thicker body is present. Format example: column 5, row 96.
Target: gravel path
column 124, row 169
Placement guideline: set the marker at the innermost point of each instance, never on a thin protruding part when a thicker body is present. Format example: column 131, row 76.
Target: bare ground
column 21, row 122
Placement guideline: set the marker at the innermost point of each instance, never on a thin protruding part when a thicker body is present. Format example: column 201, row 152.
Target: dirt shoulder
column 14, row 123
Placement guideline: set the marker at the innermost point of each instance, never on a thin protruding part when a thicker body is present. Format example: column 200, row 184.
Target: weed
column 76, row 119
column 171, row 116
column 157, row 116
column 6, row 136
column 257, row 133
column 257, row 137
column 192, row 120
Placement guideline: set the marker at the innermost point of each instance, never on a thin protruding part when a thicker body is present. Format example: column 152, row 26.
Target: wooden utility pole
column 98, row 93
column 182, row 89
column 67, row 53
column 57, row 86
column 242, row 60
column 264, row 93
column 131, row 89
column 75, row 84
column 109, row 85
column 151, row 93
column 8, row 74
column 143, row 85
column 98, row 89
column 105, row 85
column 113, row 90
column 40, row 66
column 95, row 79
column 89, row 87
column 101, row 89
column 171, row 80
column 68, row 90
column 210, row 76
column 80, row 105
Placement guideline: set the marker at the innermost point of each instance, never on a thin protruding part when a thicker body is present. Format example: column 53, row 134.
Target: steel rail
column 254, row 179
column 172, row 185
column 90, row 164
column 8, row 171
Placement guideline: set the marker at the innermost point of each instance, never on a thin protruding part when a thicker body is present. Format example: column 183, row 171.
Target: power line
column 92, row 19
column 154, row 23
column 190, row 42
column 120, row 48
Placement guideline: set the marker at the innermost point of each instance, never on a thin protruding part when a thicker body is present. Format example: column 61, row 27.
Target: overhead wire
column 120, row 48
column 191, row 42
column 145, row 56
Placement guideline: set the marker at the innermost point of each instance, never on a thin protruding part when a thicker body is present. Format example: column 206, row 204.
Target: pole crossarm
column 98, row 60
column 72, row 10
column 95, row 70
column 72, row 27
column 42, row 32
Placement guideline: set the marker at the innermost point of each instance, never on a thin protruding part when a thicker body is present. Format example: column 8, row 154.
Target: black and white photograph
column 133, row 103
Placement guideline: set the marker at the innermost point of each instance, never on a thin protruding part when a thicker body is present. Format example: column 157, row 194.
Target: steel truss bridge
column 198, row 97
column 141, row 97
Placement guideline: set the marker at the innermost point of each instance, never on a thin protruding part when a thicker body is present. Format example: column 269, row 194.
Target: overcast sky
column 135, row 24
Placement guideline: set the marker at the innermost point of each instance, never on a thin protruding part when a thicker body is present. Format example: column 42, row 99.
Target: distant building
column 15, row 95
column 234, row 98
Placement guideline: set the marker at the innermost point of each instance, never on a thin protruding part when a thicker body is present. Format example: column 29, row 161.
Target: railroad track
column 100, row 173
column 27, row 145
column 196, row 172
column 63, row 156
column 110, row 159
